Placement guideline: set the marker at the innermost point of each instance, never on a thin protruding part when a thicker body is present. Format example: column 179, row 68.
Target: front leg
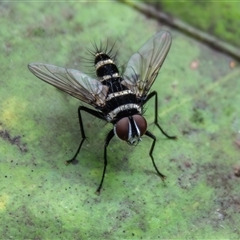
column 154, row 94
column 91, row 112
column 150, row 154
column 108, row 139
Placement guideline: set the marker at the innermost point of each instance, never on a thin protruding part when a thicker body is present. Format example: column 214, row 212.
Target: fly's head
column 130, row 129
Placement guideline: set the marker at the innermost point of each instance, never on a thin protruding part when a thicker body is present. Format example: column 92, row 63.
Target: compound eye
column 122, row 129
column 141, row 123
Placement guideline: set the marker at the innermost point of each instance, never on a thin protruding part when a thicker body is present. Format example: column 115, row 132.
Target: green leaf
column 198, row 101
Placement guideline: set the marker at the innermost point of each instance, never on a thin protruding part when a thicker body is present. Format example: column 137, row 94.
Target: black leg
column 108, row 139
column 152, row 94
column 92, row 112
column 150, row 154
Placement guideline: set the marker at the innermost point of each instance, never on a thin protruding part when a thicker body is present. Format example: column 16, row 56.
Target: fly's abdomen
column 120, row 101
column 105, row 66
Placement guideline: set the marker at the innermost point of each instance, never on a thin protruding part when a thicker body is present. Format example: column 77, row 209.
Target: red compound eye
column 141, row 123
column 122, row 128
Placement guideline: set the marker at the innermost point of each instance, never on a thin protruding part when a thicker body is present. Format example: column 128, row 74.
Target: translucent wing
column 143, row 67
column 73, row 82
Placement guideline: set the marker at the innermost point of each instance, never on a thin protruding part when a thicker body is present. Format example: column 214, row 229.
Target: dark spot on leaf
column 168, row 98
column 197, row 117
column 5, row 135
column 38, row 32
column 189, row 131
column 201, row 104
column 187, row 164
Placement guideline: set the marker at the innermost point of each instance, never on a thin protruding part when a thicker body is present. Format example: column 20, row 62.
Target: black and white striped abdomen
column 120, row 101
column 105, row 66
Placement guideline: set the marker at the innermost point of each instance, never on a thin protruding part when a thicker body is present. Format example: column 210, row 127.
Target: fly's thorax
column 130, row 129
column 105, row 66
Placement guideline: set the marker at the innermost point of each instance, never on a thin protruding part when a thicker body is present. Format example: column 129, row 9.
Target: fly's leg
column 108, row 139
column 91, row 112
column 150, row 154
column 154, row 94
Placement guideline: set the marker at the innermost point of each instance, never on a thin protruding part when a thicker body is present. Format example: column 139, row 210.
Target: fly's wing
column 73, row 82
column 143, row 66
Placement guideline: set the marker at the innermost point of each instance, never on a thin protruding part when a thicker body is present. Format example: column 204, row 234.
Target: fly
column 118, row 99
